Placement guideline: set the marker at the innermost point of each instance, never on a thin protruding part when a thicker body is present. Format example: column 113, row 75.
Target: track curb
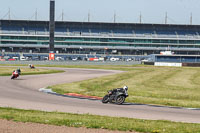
column 83, row 96
column 72, row 95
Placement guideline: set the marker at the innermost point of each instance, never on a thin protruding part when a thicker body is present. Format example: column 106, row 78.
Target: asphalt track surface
column 23, row 93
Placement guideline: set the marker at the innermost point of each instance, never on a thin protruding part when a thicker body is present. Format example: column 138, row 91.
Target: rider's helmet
column 125, row 88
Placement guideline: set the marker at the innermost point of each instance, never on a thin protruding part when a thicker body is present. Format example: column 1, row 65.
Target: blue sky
column 153, row 11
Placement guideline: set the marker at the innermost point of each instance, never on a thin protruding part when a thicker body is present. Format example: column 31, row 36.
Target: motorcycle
column 115, row 97
column 14, row 76
column 31, row 66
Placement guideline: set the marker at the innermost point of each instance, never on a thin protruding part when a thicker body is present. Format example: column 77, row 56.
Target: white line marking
column 46, row 90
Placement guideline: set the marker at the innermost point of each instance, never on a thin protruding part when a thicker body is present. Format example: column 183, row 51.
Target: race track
column 23, row 93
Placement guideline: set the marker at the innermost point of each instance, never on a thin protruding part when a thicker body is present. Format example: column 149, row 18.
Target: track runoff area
column 23, row 93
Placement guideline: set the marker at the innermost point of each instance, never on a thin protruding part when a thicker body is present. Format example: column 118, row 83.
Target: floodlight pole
column 140, row 17
column 51, row 26
column 166, row 17
column 9, row 14
column 89, row 16
column 36, row 14
column 62, row 15
column 191, row 19
column 115, row 17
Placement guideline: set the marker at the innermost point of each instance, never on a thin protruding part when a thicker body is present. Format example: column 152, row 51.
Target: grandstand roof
column 103, row 25
column 174, row 55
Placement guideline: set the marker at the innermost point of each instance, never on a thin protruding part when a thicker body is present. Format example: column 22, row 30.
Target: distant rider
column 31, row 66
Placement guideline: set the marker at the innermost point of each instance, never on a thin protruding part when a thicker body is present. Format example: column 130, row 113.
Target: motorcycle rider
column 31, row 66
column 123, row 90
column 19, row 71
column 15, row 73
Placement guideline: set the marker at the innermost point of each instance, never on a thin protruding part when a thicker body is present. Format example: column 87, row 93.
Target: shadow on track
column 19, row 79
column 158, row 106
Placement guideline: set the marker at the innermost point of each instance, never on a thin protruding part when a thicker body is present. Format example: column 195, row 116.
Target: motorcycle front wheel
column 120, row 99
column 105, row 99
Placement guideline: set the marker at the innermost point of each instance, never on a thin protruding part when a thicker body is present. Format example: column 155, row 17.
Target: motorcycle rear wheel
column 13, row 77
column 105, row 99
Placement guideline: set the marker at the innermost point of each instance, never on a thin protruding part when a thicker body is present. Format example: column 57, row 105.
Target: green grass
column 7, row 71
column 147, row 84
column 94, row 121
column 169, row 86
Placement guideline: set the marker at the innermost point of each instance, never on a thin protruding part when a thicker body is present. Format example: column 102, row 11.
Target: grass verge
column 169, row 86
column 94, row 121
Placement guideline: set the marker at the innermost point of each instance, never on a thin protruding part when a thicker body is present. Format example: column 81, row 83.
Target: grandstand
column 99, row 38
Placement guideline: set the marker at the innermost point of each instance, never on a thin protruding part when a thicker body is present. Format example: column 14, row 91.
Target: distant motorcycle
column 14, row 75
column 117, row 96
column 31, row 66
